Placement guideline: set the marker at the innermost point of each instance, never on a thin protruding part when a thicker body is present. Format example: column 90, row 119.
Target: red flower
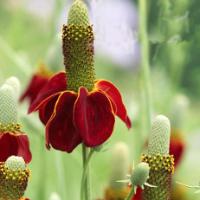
column 14, row 143
column 72, row 118
column 177, row 146
column 37, row 81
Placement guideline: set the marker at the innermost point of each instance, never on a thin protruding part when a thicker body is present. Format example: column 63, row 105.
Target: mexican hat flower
column 14, row 176
column 12, row 140
column 38, row 80
column 75, row 107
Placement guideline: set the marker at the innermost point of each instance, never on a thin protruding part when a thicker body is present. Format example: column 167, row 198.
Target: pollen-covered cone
column 13, row 178
column 160, row 162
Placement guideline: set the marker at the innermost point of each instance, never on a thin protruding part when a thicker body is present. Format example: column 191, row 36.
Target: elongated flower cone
column 160, row 162
column 78, row 48
column 13, row 178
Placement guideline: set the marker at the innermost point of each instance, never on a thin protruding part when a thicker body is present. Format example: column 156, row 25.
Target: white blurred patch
column 115, row 25
column 54, row 196
column 40, row 8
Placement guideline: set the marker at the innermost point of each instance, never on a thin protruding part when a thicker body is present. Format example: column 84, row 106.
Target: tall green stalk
column 145, row 67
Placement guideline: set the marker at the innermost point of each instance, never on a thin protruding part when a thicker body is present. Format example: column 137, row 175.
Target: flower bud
column 140, row 174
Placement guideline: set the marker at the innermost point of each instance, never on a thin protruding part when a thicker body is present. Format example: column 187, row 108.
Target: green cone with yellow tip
column 78, row 48
column 160, row 162
column 13, row 178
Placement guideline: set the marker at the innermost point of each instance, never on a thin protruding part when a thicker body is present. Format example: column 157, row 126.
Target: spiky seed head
column 78, row 14
column 119, row 164
column 8, row 105
column 15, row 163
column 159, row 139
column 140, row 174
column 15, row 84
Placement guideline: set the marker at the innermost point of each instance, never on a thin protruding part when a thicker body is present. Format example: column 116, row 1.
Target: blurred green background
column 30, row 33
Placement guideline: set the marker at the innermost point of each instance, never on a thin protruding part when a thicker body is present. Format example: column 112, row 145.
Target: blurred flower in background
column 38, row 80
column 116, row 25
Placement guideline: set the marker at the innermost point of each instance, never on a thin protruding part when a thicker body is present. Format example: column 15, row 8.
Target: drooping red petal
column 114, row 95
column 61, row 133
column 56, row 84
column 93, row 117
column 36, row 84
column 177, row 146
column 17, row 145
column 138, row 195
column 46, row 108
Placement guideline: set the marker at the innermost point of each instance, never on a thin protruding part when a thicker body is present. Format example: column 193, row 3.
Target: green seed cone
column 78, row 48
column 160, row 162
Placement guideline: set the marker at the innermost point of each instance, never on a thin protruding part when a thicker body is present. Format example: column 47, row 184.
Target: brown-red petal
column 93, row 117
column 61, row 133
column 56, row 84
column 114, row 95
column 36, row 84
column 46, row 108
column 14, row 144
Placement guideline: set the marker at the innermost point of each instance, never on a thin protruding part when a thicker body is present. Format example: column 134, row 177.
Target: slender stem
column 85, row 180
column 131, row 193
column 145, row 68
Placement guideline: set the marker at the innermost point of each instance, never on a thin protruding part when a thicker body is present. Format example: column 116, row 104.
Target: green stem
column 131, row 193
column 85, row 180
column 145, row 68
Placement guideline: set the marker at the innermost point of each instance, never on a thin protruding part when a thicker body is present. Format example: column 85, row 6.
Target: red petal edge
column 93, row 117
column 115, row 97
column 46, row 108
column 17, row 145
column 56, row 84
column 35, row 85
column 61, row 133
